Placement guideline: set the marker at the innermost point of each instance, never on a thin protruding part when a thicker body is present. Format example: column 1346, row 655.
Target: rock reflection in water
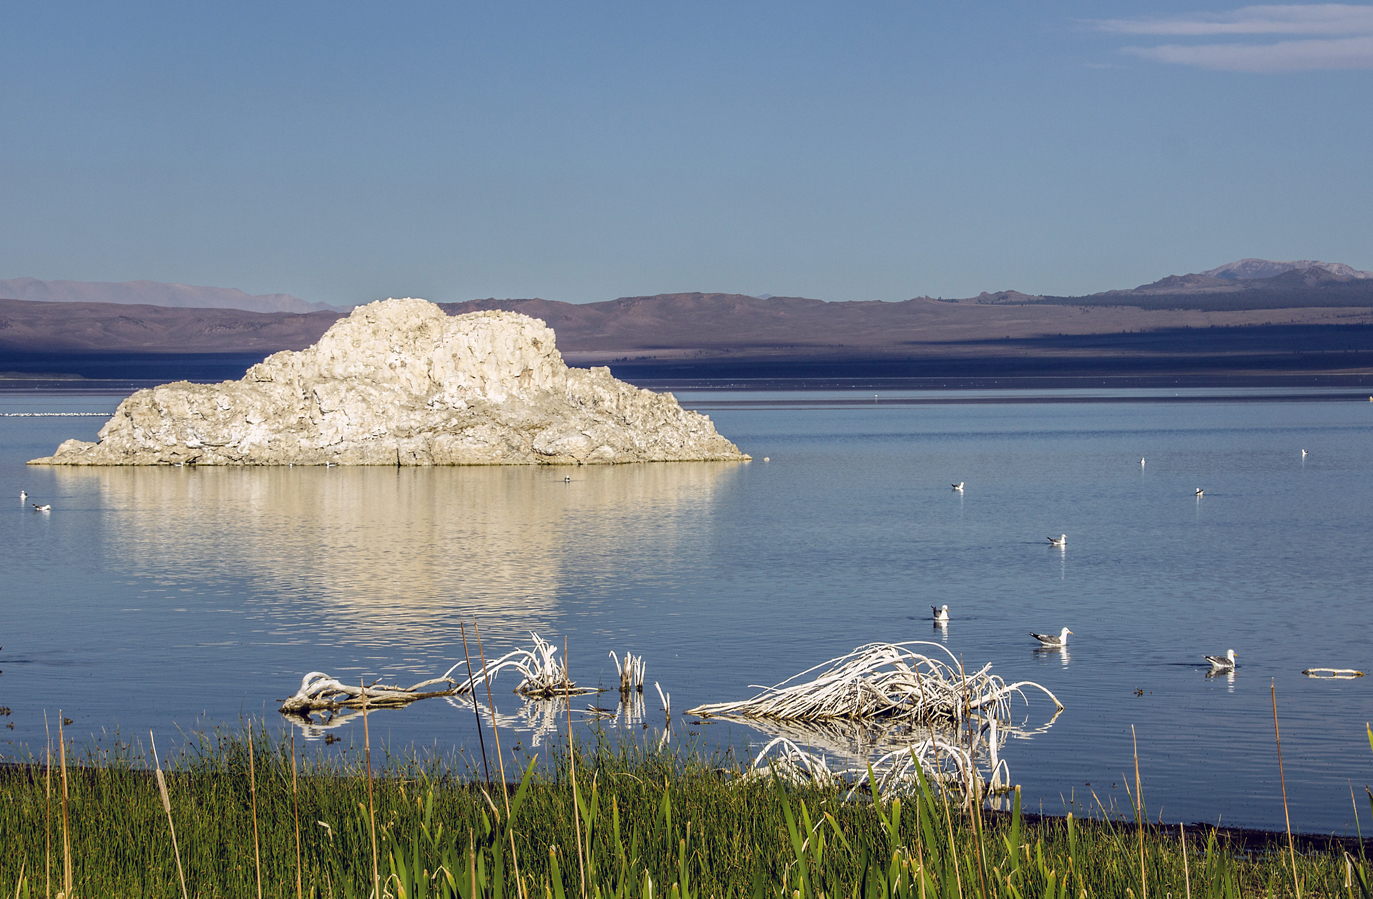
column 396, row 555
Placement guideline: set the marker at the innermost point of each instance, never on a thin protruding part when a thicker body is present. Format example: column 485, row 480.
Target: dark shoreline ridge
column 1250, row 356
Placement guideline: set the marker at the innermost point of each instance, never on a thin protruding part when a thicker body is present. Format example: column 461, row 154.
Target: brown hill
column 667, row 326
column 713, row 335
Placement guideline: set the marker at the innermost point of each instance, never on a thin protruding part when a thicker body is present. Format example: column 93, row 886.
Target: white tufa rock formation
column 399, row 382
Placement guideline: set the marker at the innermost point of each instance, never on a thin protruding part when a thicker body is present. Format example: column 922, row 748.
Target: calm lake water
column 181, row 599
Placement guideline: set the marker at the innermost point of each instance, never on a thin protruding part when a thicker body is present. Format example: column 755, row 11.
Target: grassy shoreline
column 632, row 822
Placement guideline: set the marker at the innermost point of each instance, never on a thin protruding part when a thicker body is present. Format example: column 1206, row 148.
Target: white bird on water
column 1303, row 454
column 1223, row 663
column 941, row 615
column 1060, row 540
column 1051, row 641
column 23, row 495
column 1200, row 492
column 1141, row 461
column 958, row 486
column 46, row 507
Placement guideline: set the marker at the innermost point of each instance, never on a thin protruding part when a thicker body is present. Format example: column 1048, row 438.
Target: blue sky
column 584, row 151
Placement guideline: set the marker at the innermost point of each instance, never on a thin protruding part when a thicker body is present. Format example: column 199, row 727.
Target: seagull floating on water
column 941, row 615
column 1051, row 641
column 1303, row 454
column 23, row 495
column 1200, row 491
column 958, row 486
column 1223, row 663
column 46, row 507
column 1141, row 460
column 1060, row 540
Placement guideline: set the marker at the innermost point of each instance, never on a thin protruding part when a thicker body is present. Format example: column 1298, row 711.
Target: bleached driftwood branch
column 882, row 681
column 321, row 693
column 631, row 672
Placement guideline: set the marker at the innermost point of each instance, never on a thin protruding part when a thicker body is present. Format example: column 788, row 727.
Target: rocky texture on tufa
column 399, row 382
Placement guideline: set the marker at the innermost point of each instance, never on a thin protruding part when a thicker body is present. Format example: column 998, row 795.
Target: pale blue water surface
column 178, row 599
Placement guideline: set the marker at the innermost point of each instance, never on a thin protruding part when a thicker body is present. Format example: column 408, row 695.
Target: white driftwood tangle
column 964, row 759
column 944, row 766
column 882, row 681
column 544, row 678
column 631, row 672
column 321, row 693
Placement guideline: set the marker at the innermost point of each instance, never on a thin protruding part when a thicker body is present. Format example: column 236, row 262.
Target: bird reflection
column 1227, row 673
column 1061, row 651
column 942, row 628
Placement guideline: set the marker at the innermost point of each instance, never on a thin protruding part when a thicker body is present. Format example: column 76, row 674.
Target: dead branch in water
column 321, row 693
column 544, row 677
column 882, row 681
column 631, row 673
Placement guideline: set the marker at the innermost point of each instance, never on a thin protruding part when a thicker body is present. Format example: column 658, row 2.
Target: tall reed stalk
column 66, row 833
column 1186, row 872
column 572, row 766
column 47, row 815
column 167, row 807
column 1282, row 778
column 252, row 788
column 1139, row 816
column 295, row 811
column 481, row 740
column 500, row 759
column 371, row 802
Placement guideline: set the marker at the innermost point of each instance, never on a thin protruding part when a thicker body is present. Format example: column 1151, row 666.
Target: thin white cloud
column 1327, row 36
column 1284, row 56
column 1328, row 19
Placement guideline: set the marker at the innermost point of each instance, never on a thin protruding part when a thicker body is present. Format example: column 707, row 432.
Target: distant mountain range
column 1258, row 269
column 1247, row 284
column 154, row 293
column 1179, row 323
